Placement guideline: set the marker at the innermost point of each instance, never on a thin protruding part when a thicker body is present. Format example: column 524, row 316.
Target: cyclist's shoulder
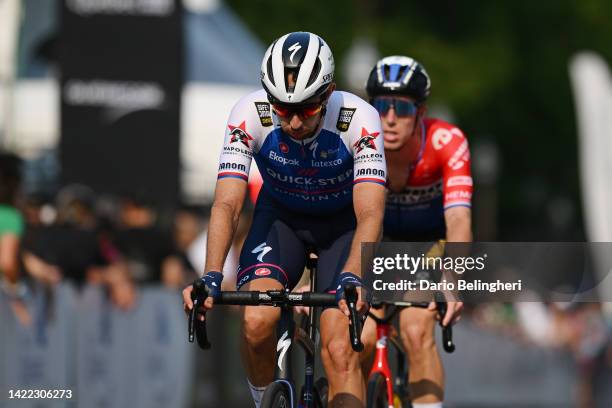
column 253, row 114
column 253, row 103
column 349, row 113
column 442, row 135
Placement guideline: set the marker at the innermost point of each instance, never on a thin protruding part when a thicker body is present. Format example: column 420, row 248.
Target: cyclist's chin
column 393, row 145
column 298, row 134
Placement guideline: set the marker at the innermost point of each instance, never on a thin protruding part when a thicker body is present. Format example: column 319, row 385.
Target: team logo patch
column 262, row 272
column 239, row 134
column 366, row 140
column 265, row 115
column 282, row 146
column 344, row 118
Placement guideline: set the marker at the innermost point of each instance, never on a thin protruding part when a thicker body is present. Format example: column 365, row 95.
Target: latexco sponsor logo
column 157, row 8
column 283, row 160
column 329, row 163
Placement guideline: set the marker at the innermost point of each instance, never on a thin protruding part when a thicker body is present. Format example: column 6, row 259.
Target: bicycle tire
column 321, row 389
column 377, row 392
column 276, row 395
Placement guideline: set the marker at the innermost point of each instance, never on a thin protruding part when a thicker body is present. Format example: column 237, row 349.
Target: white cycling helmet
column 307, row 58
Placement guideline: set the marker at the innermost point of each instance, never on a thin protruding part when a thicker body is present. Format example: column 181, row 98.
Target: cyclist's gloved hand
column 213, row 280
column 343, row 279
column 363, row 304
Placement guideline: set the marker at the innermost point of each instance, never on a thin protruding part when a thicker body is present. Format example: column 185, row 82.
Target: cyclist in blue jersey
column 321, row 156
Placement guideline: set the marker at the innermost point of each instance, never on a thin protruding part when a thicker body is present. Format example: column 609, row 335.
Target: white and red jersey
column 314, row 175
column 441, row 178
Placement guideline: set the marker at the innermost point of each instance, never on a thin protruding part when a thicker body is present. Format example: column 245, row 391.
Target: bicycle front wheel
column 277, row 395
column 377, row 392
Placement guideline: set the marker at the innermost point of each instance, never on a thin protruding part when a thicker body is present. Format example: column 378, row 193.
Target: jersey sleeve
column 453, row 152
column 239, row 143
column 367, row 144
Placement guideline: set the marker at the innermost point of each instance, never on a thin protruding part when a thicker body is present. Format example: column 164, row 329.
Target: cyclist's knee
column 258, row 325
column 417, row 332
column 341, row 358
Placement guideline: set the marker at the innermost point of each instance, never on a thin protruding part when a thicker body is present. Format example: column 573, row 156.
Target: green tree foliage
column 500, row 65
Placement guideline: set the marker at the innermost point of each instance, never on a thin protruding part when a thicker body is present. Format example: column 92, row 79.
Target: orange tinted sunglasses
column 303, row 111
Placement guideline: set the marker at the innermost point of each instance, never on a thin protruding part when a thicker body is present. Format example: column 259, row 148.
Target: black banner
column 121, row 78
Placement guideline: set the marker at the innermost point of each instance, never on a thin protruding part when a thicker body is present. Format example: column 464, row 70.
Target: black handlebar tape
column 350, row 293
column 198, row 295
column 447, row 331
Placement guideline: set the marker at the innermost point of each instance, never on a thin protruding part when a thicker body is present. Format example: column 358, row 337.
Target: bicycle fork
column 381, row 361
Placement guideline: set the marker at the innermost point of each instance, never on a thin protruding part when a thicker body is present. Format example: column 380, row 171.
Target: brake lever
column 198, row 296
column 447, row 331
column 350, row 293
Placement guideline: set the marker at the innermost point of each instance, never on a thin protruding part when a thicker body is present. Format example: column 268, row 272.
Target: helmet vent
column 269, row 69
column 315, row 72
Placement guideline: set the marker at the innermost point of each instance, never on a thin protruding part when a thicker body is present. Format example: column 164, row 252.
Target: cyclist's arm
column 458, row 224
column 370, row 174
column 225, row 214
column 234, row 165
column 369, row 205
column 454, row 154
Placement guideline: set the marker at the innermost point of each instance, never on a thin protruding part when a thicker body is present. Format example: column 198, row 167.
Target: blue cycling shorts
column 279, row 237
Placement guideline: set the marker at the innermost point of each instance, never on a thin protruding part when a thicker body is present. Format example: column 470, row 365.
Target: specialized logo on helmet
column 294, row 48
column 366, row 140
column 239, row 134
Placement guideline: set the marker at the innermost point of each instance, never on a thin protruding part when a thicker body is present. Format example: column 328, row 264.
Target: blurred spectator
column 11, row 230
column 177, row 269
column 143, row 246
column 68, row 249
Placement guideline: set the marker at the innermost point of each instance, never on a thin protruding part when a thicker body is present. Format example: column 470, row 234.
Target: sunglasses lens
column 402, row 108
column 304, row 111
column 405, row 108
column 281, row 110
column 382, row 105
column 310, row 111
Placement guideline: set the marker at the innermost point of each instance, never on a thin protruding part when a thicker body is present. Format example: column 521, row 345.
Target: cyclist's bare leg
column 258, row 335
column 425, row 367
column 341, row 363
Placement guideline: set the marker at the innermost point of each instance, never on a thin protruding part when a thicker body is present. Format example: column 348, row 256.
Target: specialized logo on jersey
column 265, row 115
column 239, row 134
column 344, row 119
column 282, row 146
column 366, row 140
